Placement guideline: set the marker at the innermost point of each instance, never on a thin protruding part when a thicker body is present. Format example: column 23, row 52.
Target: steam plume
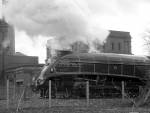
column 65, row 20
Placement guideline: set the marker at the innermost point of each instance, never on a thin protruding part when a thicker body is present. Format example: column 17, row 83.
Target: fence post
column 7, row 92
column 50, row 94
column 87, row 92
column 14, row 89
column 123, row 90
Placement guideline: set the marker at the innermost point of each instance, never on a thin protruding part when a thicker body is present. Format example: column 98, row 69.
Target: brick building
column 8, row 57
column 118, row 42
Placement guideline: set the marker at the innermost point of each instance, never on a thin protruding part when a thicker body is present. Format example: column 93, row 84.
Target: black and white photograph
column 74, row 56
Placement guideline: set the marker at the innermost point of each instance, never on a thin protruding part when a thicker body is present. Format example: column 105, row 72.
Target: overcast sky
column 36, row 21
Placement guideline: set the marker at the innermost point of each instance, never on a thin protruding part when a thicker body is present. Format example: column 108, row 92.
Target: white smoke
column 65, row 20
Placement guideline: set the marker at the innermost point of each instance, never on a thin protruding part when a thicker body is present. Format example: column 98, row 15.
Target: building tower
column 7, row 45
column 7, row 38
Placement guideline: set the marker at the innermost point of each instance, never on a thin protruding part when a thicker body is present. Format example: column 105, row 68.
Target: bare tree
column 146, row 37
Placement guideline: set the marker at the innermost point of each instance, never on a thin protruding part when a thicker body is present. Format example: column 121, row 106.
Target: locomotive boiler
column 104, row 71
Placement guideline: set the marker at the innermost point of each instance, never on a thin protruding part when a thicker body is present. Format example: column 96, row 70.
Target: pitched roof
column 120, row 34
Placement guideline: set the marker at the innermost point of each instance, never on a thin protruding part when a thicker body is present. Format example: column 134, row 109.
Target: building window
column 19, row 82
column 103, row 47
column 112, row 46
column 127, row 45
column 119, row 46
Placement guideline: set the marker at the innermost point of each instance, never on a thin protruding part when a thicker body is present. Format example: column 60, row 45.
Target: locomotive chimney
column 80, row 47
column 61, row 53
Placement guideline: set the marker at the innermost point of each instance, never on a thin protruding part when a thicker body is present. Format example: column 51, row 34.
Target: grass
column 36, row 105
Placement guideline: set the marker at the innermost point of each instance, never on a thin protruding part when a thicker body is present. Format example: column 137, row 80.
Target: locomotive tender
column 104, row 71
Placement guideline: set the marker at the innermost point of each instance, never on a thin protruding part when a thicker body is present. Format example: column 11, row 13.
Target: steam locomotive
column 104, row 71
